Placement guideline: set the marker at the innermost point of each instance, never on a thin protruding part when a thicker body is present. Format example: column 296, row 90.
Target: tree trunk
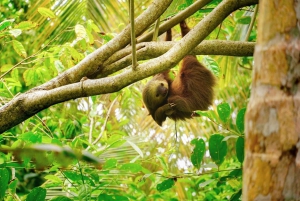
column 272, row 160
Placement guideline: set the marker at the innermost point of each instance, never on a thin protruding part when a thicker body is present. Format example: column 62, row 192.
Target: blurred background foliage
column 115, row 151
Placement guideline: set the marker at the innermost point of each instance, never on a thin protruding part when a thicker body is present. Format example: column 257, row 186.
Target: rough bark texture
column 272, row 160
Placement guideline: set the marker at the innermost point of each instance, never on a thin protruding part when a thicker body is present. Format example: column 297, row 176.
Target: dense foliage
column 106, row 147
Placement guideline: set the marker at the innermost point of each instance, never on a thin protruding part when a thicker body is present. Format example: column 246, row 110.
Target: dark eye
column 157, row 95
column 162, row 84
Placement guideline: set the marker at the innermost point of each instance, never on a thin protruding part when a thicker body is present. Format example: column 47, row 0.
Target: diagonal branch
column 92, row 64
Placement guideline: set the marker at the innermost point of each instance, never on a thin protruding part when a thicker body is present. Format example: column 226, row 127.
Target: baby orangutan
column 192, row 89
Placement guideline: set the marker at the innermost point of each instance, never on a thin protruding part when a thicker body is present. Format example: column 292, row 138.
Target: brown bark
column 272, row 160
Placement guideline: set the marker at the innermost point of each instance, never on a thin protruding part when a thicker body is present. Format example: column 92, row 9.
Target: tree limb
column 28, row 104
column 149, row 50
column 92, row 64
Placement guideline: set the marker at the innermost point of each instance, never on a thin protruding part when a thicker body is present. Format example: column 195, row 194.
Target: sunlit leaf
column 132, row 167
column 19, row 48
column 53, row 178
column 25, row 25
column 110, row 163
column 46, row 12
column 6, row 23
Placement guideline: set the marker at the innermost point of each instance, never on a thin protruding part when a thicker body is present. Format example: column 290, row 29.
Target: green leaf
column 38, row 193
column 26, row 25
column 240, row 119
column 236, row 196
column 165, row 185
column 106, row 197
column 224, row 111
column 132, row 167
column 19, row 48
column 5, row 24
column 46, row 12
column 244, row 20
column 29, row 76
column 73, row 175
column 53, row 178
column 110, row 163
column 61, row 198
column 198, row 152
column 13, row 186
column 4, row 178
column 217, row 148
column 239, row 148
column 31, row 137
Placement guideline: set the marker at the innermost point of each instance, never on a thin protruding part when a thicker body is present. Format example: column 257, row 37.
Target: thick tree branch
column 92, row 64
column 149, row 50
column 175, row 20
column 28, row 104
column 187, row 13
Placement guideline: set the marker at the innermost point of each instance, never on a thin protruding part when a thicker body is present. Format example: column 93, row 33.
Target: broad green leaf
column 198, row 152
column 239, row 148
column 236, row 196
column 35, row 194
column 13, row 185
column 106, row 197
column 240, row 119
column 61, row 198
column 244, row 20
column 29, row 76
column 46, row 12
column 224, row 111
column 74, row 176
column 4, row 178
column 6, row 23
column 217, row 148
column 19, row 48
column 165, row 185
column 236, row 173
column 53, row 178
column 132, row 167
column 110, row 163
column 25, row 25
column 31, row 137
column 6, row 67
